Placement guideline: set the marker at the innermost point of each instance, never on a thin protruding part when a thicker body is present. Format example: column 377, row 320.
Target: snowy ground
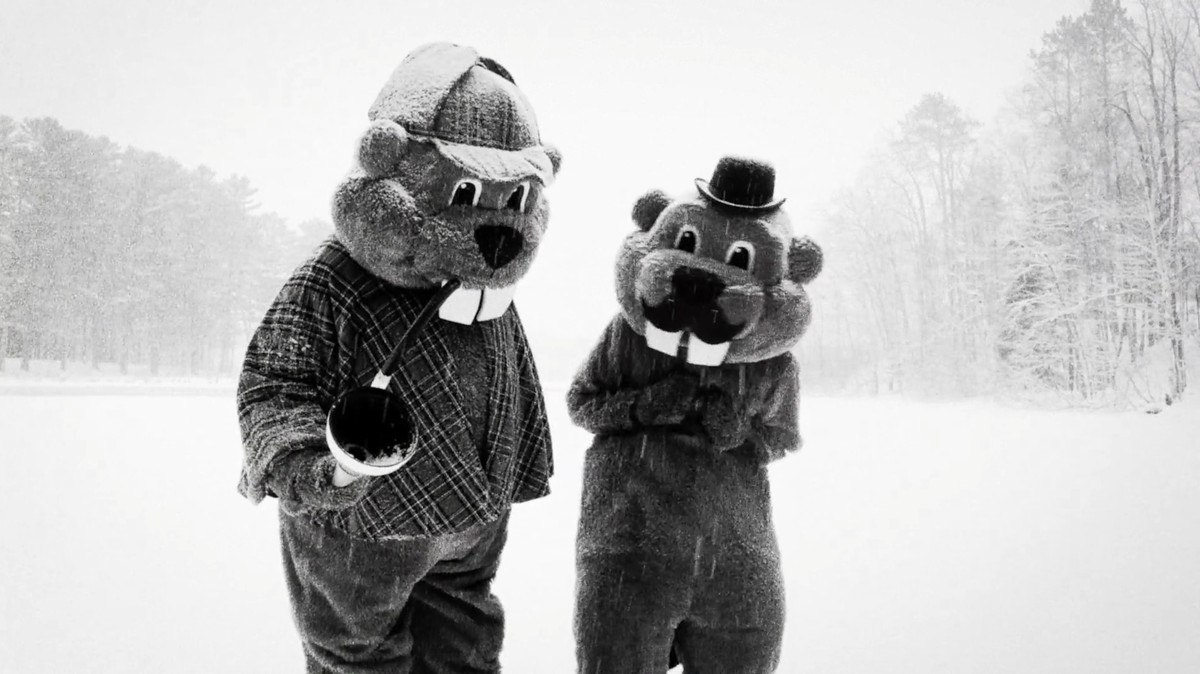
column 944, row 538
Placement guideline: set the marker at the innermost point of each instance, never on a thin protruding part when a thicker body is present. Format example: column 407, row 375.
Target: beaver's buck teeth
column 702, row 353
column 467, row 306
column 461, row 306
column 661, row 340
column 495, row 302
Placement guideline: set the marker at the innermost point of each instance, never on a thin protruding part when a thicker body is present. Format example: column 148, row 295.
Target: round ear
column 382, row 147
column 648, row 207
column 805, row 260
column 555, row 157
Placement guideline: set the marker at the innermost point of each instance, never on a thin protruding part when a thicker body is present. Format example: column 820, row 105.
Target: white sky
column 637, row 94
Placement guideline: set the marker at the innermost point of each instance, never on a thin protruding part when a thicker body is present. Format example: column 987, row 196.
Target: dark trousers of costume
column 413, row 606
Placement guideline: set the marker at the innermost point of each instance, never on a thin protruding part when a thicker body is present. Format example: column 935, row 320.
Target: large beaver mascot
column 691, row 391
column 393, row 572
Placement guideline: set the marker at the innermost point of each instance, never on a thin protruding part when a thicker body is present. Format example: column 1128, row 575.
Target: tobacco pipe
column 369, row 428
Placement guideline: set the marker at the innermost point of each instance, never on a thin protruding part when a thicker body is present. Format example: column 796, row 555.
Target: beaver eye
column 466, row 193
column 688, row 239
column 516, row 200
column 741, row 254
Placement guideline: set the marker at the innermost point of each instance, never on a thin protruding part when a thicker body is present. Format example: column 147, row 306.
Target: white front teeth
column 461, row 306
column 702, row 353
column 495, row 302
column 699, row 352
column 661, row 340
column 466, row 306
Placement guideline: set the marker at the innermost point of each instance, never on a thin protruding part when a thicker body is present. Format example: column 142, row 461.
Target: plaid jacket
column 330, row 328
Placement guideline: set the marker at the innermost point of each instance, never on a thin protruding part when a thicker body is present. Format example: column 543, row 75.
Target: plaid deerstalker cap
column 470, row 108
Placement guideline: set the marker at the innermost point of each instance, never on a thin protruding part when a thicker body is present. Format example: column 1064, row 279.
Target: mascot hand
column 668, row 401
column 724, row 418
column 304, row 482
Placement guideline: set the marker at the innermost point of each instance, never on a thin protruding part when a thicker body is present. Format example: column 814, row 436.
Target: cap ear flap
column 805, row 260
column 555, row 157
column 648, row 207
column 382, row 148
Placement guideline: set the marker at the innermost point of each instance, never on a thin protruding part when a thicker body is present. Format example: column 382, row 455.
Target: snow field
column 916, row 537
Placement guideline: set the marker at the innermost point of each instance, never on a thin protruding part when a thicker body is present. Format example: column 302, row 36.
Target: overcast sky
column 637, row 94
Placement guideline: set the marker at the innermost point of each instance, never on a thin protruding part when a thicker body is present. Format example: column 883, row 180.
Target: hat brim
column 499, row 165
column 706, row 192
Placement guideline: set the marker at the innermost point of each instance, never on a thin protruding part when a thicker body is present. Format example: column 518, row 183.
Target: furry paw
column 724, row 418
column 668, row 401
column 304, row 481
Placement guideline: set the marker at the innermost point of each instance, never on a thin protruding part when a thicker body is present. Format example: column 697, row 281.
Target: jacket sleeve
column 776, row 429
column 286, row 383
column 596, row 401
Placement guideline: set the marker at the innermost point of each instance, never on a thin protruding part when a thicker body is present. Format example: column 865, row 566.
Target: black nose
column 696, row 286
column 498, row 244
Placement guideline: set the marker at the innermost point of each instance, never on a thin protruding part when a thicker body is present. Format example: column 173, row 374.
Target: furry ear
column 554, row 155
column 805, row 260
column 382, row 147
column 648, row 207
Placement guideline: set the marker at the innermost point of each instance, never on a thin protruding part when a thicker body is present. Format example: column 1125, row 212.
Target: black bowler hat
column 741, row 184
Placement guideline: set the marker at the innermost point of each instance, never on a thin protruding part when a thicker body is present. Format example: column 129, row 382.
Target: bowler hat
column 741, row 184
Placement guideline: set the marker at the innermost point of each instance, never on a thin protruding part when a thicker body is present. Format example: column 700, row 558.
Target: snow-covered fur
column 451, row 176
column 448, row 186
column 768, row 300
column 676, row 548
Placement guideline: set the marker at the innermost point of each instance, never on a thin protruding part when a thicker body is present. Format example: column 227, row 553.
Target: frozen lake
column 917, row 537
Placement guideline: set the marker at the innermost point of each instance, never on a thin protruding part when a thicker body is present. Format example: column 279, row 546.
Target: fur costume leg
column 704, row 650
column 736, row 622
column 414, row 605
column 626, row 614
column 735, row 625
column 671, row 536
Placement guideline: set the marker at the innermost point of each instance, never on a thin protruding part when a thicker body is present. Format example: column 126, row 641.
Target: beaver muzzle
column 690, row 317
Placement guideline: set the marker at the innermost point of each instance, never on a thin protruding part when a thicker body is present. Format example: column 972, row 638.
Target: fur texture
column 404, row 228
column 450, row 176
column 676, row 543
column 448, row 185
column 768, row 300
column 676, row 549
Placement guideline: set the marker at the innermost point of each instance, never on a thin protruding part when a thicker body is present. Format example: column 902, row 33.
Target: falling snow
column 915, row 538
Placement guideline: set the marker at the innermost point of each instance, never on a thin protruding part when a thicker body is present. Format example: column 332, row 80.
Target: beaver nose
column 498, row 244
column 696, row 286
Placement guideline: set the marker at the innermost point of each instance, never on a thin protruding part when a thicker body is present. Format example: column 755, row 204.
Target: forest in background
column 118, row 255
column 1052, row 252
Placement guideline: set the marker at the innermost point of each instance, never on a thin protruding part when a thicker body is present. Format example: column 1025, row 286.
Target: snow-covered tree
column 1054, row 252
column 124, row 256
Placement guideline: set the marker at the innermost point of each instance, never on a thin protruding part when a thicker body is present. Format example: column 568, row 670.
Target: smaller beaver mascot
column 393, row 572
column 691, row 392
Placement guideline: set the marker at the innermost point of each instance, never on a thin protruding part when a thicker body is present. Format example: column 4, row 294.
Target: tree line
column 1054, row 252
column 119, row 255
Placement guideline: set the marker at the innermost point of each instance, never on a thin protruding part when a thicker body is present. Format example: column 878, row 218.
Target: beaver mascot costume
column 691, row 392
column 393, row 573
